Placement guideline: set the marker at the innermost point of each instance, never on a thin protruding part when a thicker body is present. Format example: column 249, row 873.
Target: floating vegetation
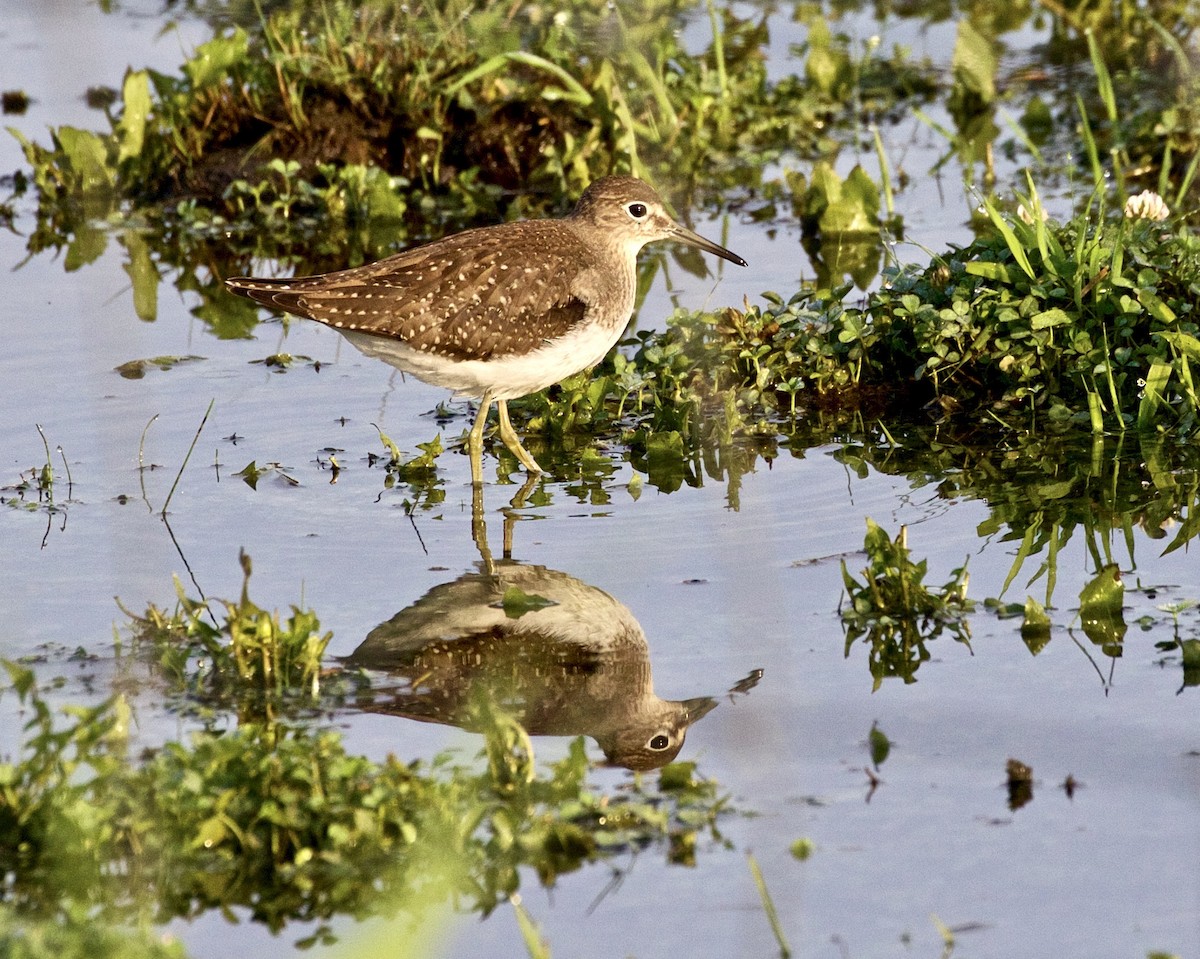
column 137, row 369
column 893, row 610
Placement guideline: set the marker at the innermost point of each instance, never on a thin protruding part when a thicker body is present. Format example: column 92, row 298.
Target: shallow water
column 1108, row 872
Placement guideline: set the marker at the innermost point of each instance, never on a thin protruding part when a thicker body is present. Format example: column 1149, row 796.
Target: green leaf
column 880, row 745
column 1048, row 318
column 144, row 275
column 1155, row 306
column 1035, row 628
column 1187, row 344
column 1157, row 378
column 997, row 272
column 85, row 247
column 250, row 474
column 132, row 128
column 974, row 62
column 87, row 156
column 389, row 444
column 1015, row 247
column 827, row 69
column 665, row 459
column 516, row 602
column 1100, row 609
column 212, row 61
column 1104, row 595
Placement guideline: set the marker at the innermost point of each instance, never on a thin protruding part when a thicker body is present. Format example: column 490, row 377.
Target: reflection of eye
column 660, row 742
column 637, row 210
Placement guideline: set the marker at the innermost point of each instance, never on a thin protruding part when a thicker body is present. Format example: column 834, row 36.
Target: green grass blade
column 785, row 950
column 1010, row 238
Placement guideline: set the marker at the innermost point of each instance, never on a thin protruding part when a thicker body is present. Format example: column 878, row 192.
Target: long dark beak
column 684, row 235
column 700, row 707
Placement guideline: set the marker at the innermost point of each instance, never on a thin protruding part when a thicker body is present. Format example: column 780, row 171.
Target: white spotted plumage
column 497, row 312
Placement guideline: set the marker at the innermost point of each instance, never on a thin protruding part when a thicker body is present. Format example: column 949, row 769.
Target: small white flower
column 561, row 18
column 1147, row 205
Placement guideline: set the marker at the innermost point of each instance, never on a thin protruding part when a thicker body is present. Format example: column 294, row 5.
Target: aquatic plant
column 251, row 660
column 893, row 610
column 1036, row 326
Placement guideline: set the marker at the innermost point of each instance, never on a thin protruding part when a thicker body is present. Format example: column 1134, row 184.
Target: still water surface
column 1109, row 872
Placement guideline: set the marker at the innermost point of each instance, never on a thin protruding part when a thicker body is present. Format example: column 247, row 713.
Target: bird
column 573, row 662
column 496, row 312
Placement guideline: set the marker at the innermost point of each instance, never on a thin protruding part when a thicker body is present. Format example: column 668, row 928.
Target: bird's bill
column 700, row 707
column 684, row 235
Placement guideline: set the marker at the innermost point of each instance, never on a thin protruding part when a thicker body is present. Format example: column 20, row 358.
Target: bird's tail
column 264, row 289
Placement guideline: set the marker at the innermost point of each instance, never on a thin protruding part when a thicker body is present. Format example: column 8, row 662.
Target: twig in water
column 187, row 456
column 142, row 461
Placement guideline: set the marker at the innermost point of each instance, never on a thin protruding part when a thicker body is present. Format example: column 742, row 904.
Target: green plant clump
column 1090, row 323
column 893, row 609
column 303, row 128
column 253, row 660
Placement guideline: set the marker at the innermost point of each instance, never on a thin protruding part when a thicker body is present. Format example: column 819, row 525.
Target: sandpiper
column 500, row 311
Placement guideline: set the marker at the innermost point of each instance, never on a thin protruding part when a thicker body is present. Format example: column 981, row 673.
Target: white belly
column 506, row 377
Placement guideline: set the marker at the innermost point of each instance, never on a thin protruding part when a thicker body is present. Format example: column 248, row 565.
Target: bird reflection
column 565, row 658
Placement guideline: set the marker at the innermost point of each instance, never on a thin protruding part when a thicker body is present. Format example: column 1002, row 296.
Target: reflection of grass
column 893, row 610
column 275, row 817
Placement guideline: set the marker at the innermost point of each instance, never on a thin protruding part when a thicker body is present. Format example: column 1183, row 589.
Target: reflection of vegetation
column 276, row 818
column 252, row 661
column 1043, row 490
column 895, row 612
column 1101, row 612
column 76, row 938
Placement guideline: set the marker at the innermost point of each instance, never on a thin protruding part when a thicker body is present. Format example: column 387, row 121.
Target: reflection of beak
column 698, row 708
column 684, row 235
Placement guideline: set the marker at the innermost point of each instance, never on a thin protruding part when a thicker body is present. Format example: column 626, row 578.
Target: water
column 1108, row 872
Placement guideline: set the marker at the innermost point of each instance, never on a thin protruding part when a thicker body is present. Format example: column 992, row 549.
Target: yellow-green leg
column 509, row 435
column 475, row 440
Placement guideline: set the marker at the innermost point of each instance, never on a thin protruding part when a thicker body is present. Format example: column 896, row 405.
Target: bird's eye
column 637, row 210
column 659, row 742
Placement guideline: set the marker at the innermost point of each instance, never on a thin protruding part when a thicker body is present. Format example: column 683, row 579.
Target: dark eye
column 637, row 210
column 659, row 742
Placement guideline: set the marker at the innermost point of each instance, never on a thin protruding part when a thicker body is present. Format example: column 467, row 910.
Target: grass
column 894, row 612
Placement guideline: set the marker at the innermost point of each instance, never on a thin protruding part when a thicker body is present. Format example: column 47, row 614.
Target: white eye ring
column 659, row 742
column 638, row 211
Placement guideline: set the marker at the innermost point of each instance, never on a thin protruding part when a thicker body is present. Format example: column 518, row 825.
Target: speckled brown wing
column 501, row 290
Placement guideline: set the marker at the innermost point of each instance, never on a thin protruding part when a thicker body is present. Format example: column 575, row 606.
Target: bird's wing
column 495, row 291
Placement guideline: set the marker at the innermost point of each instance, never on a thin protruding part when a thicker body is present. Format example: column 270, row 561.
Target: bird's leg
column 509, row 435
column 510, row 512
column 479, row 529
column 475, row 440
